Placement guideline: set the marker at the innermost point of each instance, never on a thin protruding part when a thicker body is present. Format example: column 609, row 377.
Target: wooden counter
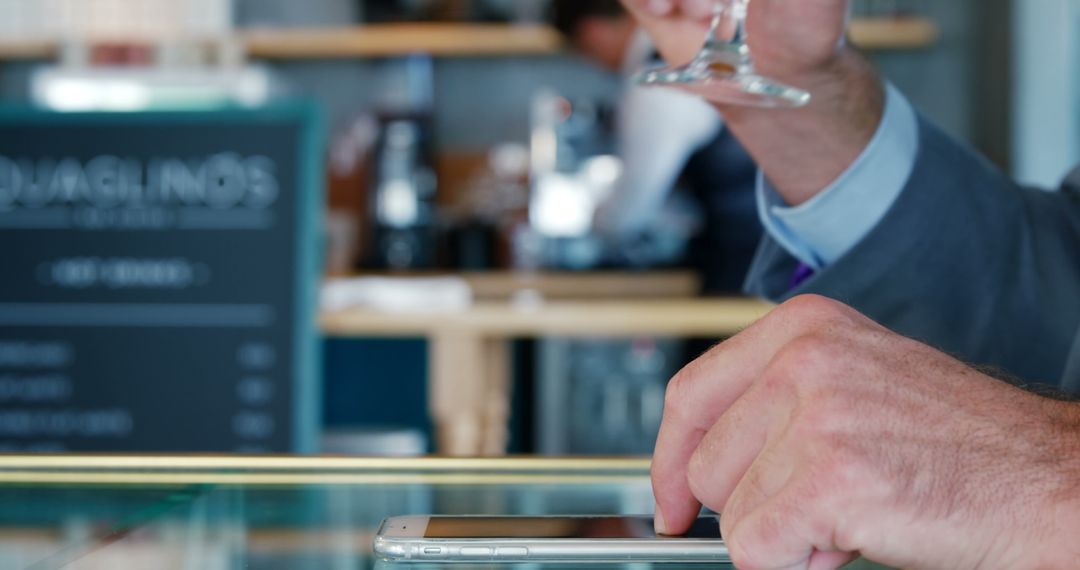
column 564, row 285
column 622, row 318
column 561, row 286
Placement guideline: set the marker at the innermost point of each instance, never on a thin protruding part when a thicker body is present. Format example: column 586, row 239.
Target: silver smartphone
column 546, row 539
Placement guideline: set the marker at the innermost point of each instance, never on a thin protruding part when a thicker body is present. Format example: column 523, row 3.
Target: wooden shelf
column 893, row 33
column 358, row 42
column 463, row 40
column 27, row 50
column 449, row 40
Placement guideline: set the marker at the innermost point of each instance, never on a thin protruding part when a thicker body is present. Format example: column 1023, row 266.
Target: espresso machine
column 404, row 184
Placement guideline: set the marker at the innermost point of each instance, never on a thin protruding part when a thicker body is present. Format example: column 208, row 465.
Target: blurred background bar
column 398, row 227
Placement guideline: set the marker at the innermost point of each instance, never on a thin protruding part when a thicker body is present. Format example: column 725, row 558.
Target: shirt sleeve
column 658, row 131
column 822, row 230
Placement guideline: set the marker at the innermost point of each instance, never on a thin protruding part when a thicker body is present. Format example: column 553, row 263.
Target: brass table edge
column 300, row 464
column 130, row 479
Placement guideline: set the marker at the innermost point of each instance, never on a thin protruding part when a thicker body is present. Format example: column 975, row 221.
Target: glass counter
column 285, row 512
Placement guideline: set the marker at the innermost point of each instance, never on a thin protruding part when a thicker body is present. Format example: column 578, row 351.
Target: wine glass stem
column 717, row 42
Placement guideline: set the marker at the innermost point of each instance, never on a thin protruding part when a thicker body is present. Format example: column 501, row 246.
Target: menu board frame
column 309, row 196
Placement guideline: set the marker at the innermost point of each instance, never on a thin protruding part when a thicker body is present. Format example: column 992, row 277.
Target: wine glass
column 723, row 71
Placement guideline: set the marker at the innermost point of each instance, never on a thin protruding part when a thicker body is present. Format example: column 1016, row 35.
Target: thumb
column 701, row 10
column 652, row 8
column 677, row 37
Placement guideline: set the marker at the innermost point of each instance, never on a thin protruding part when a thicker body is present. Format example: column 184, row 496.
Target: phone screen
column 559, row 528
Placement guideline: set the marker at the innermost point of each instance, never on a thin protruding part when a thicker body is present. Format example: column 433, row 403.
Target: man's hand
column 820, row 436
column 799, row 42
column 790, row 40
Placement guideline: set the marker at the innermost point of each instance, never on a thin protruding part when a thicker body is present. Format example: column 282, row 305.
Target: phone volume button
column 514, row 551
column 475, row 551
column 432, row 551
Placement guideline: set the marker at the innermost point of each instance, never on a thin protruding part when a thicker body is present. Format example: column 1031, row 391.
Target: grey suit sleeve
column 966, row 261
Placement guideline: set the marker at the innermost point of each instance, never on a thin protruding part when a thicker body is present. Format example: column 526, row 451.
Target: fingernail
column 659, row 523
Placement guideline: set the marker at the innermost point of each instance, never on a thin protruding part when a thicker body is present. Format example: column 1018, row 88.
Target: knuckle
column 838, row 470
column 810, row 357
column 828, row 496
column 849, row 537
column 699, row 478
column 697, row 469
column 779, row 382
column 728, row 522
column 816, row 350
column 677, row 390
column 748, row 495
column 810, row 425
column 750, row 539
column 814, row 312
column 818, row 418
column 812, row 305
column 851, row 470
column 656, row 472
column 807, row 512
column 831, row 439
column 695, row 478
column 743, row 554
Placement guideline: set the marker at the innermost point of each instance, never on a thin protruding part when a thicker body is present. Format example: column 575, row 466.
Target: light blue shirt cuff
column 830, row 225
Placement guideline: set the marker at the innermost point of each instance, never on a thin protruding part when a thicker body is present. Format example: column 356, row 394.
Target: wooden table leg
column 498, row 397
column 456, row 399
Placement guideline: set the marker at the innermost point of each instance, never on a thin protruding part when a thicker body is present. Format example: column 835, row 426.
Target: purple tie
column 802, row 274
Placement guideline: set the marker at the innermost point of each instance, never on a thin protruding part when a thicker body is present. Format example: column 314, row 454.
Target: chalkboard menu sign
column 157, row 277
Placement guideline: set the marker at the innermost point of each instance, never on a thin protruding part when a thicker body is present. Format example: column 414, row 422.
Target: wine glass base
column 727, row 87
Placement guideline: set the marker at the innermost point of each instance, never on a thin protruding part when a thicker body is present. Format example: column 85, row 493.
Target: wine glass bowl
column 723, row 71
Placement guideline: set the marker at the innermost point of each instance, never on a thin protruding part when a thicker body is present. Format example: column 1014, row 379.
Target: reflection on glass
column 272, row 526
column 381, row 565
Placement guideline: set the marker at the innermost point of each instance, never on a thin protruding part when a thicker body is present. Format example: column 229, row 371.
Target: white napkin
column 397, row 295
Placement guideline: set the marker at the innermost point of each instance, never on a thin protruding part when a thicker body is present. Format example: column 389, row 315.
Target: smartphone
column 546, row 539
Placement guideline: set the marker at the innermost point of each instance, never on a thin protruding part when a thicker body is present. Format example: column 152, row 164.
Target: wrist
column 804, row 150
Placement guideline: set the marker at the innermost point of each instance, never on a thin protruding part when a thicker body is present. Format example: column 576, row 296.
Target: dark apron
column 1071, row 381
column 721, row 177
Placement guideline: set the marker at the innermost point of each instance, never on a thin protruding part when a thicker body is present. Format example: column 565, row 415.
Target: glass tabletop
column 271, row 513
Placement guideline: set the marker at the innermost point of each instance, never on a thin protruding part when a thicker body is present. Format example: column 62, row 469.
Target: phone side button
column 513, row 551
column 432, row 551
column 475, row 551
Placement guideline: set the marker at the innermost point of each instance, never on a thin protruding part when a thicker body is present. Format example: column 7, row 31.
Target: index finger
column 674, row 25
column 694, row 9
column 702, row 392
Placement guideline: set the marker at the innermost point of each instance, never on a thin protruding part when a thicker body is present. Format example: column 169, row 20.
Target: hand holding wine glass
column 787, row 42
column 794, row 43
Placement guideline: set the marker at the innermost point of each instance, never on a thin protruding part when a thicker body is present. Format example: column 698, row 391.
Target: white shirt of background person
column 658, row 130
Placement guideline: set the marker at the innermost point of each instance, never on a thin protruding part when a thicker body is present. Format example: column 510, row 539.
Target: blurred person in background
column 668, row 140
